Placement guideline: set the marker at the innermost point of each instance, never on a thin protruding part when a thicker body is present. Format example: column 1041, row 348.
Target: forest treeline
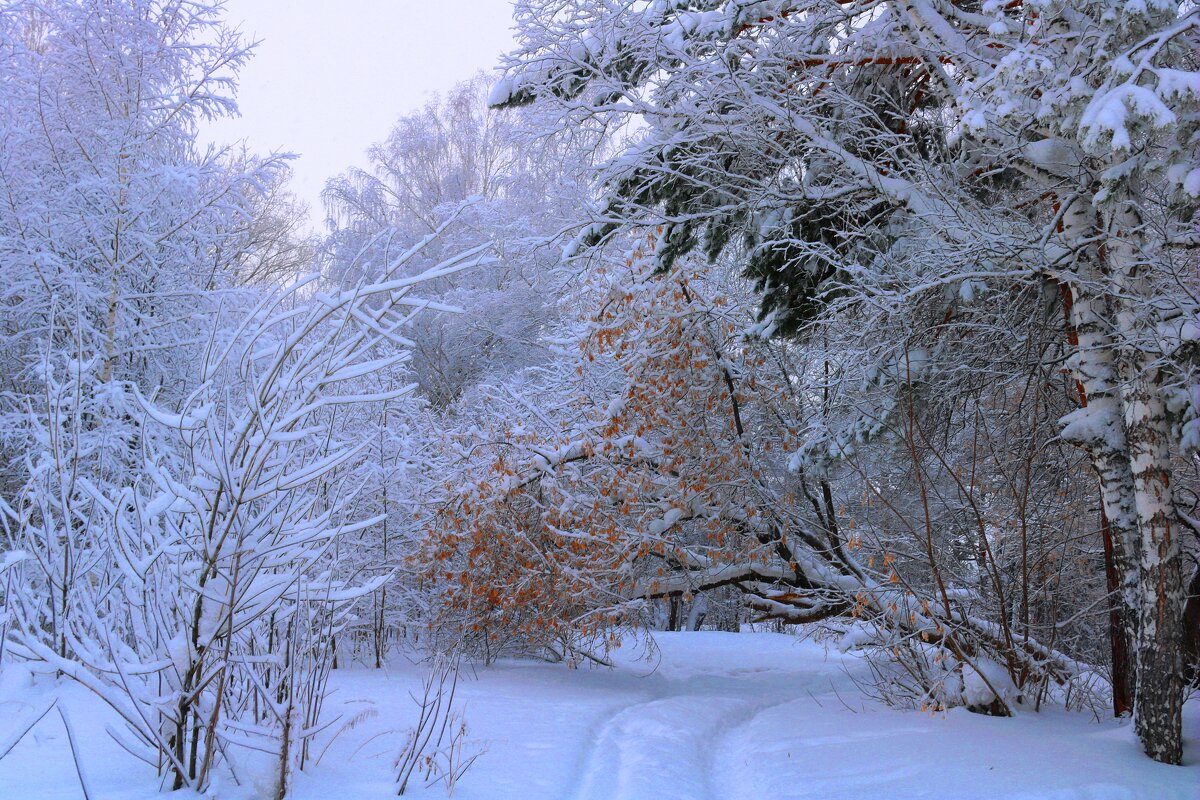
column 877, row 318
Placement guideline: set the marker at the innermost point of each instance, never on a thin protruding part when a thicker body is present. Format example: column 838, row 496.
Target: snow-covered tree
column 924, row 157
column 182, row 437
column 528, row 183
column 664, row 475
column 208, row 598
column 118, row 234
column 117, row 230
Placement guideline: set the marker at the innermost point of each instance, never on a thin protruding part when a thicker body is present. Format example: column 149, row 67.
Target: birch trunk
column 1099, row 426
column 1158, row 703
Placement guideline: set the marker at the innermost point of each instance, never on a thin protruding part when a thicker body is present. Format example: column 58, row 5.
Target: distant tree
column 528, row 185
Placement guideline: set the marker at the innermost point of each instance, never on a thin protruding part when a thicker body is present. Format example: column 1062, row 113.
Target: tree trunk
column 1158, row 711
column 1120, row 633
column 285, row 756
column 674, row 620
column 1191, row 632
column 1158, row 707
column 698, row 612
column 1123, row 668
column 1099, row 427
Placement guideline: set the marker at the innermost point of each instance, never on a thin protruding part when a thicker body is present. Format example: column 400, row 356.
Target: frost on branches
column 183, row 455
column 206, row 600
column 875, row 317
column 854, row 157
column 665, row 476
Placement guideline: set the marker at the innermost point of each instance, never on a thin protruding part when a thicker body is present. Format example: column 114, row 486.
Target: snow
column 1110, row 112
column 501, row 92
column 1191, row 183
column 711, row 715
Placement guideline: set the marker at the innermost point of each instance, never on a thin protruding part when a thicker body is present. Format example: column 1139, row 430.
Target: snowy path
column 666, row 742
column 675, row 742
column 718, row 717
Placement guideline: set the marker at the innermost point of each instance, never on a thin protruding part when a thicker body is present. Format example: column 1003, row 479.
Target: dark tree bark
column 1191, row 631
column 675, row 619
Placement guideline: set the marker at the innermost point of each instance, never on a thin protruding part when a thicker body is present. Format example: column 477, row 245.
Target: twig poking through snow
column 83, row 784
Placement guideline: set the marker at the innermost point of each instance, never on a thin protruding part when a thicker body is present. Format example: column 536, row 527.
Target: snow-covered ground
column 747, row 716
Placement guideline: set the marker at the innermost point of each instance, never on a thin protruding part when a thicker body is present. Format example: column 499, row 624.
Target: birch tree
column 920, row 153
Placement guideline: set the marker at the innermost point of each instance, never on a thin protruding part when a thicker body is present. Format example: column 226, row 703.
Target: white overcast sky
column 330, row 76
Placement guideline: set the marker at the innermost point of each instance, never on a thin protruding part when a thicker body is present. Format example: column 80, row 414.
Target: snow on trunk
column 1160, row 602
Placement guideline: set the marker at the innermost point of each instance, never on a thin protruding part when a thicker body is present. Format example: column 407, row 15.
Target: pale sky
column 330, row 76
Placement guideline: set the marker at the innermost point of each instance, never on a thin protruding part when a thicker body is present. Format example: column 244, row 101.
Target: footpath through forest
column 711, row 716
